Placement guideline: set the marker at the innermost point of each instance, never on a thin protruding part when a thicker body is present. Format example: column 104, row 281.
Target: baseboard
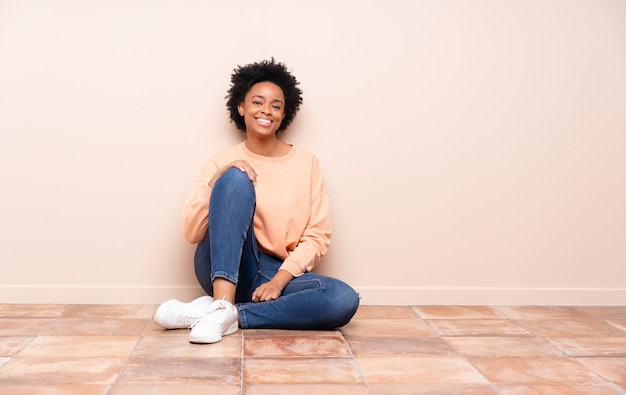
column 70, row 294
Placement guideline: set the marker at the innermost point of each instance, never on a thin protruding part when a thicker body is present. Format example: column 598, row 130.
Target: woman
column 260, row 216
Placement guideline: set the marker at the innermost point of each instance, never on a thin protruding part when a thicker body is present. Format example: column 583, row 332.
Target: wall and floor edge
column 99, row 294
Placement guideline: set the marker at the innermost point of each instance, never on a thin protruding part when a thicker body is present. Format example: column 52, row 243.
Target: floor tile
column 206, row 371
column 307, row 389
column 77, row 389
column 178, row 389
column 301, row 370
column 290, row 346
column 57, row 371
column 541, row 312
column 95, row 327
column 591, row 389
column 11, row 345
column 477, row 328
column 591, row 346
column 387, row 327
column 80, row 346
column 581, row 327
column 179, row 347
column 4, row 360
column 385, row 312
column 24, row 327
column 396, row 346
column 248, row 333
column 502, row 346
column 613, row 369
column 603, row 312
column 534, row 371
column 110, row 311
column 618, row 323
column 153, row 329
column 433, row 389
column 32, row 310
column 419, row 370
column 457, row 312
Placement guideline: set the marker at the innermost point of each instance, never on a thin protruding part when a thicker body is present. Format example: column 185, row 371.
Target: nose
column 267, row 108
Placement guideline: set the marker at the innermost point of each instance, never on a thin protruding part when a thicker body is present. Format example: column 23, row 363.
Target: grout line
column 125, row 364
column 53, row 321
column 242, row 366
column 459, row 353
column 358, row 366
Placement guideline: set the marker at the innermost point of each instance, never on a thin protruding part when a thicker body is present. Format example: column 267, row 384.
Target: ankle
column 224, row 289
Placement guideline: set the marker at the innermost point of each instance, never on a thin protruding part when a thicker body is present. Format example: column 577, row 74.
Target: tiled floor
column 117, row 349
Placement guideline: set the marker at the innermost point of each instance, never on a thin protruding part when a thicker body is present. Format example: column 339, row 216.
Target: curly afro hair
column 244, row 77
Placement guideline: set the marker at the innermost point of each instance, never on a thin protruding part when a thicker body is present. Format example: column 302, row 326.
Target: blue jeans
column 229, row 250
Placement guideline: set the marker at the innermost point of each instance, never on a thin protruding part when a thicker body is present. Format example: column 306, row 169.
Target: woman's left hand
column 272, row 289
column 265, row 292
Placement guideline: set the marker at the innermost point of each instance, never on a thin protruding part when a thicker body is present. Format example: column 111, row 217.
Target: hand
column 265, row 292
column 272, row 290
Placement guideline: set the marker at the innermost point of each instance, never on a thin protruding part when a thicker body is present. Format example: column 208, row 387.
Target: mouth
column 264, row 122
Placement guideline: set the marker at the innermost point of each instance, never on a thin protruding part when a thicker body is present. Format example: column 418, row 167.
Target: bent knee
column 233, row 175
column 234, row 181
column 345, row 303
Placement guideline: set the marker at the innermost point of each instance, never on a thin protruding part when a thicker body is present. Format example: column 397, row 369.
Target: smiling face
column 263, row 109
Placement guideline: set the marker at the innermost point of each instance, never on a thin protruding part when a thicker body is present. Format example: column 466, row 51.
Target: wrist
column 282, row 278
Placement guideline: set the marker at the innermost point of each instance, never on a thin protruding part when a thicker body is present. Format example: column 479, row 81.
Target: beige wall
column 474, row 151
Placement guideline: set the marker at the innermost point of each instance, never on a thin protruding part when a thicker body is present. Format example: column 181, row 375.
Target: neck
column 265, row 147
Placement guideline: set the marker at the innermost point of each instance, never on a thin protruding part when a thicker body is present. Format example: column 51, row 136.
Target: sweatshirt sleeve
column 315, row 239
column 194, row 217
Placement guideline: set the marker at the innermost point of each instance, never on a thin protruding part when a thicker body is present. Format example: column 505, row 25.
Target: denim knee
column 232, row 186
column 234, row 177
column 339, row 301
column 344, row 304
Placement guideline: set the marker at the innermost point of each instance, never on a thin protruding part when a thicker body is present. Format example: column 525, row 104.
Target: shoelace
column 216, row 314
column 192, row 315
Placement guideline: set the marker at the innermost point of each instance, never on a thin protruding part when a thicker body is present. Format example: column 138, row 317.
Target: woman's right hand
column 240, row 164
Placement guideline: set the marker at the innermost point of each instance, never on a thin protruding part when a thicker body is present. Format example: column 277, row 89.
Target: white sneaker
column 222, row 320
column 175, row 314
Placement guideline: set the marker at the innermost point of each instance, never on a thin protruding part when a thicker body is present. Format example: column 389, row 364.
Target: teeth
column 264, row 121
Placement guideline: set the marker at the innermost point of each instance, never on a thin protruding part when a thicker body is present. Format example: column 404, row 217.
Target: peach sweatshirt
column 292, row 213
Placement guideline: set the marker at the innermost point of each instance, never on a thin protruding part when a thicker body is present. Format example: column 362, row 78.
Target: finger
column 267, row 295
column 249, row 170
column 257, row 295
column 254, row 295
column 250, row 173
column 270, row 294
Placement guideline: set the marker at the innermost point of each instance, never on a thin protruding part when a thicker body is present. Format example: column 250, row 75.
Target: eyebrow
column 263, row 97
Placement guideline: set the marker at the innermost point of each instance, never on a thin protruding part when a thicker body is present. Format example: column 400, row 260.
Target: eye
column 276, row 107
column 256, row 102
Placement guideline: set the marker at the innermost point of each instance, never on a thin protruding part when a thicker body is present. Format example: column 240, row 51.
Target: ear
column 240, row 108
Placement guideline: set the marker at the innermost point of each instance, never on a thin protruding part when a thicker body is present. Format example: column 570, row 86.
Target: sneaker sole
column 215, row 339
